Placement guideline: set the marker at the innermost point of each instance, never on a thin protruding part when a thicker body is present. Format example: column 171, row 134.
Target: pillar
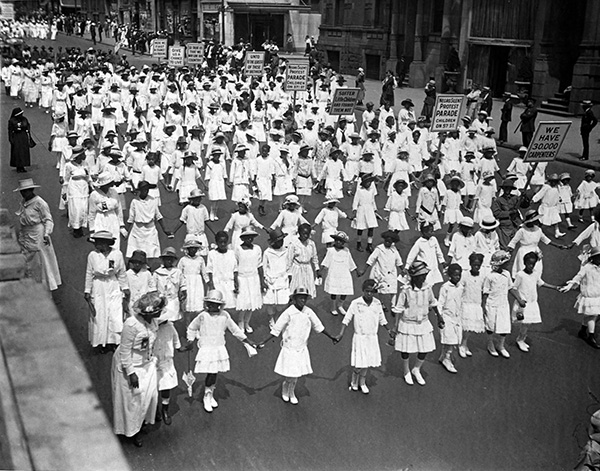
column 392, row 61
column 586, row 72
column 543, row 84
column 417, row 66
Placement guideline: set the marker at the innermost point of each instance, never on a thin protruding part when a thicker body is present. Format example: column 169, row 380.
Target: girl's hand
column 441, row 323
column 134, row 381
column 522, row 303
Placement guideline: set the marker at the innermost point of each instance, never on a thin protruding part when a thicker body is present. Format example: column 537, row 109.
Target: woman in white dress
column 193, row 268
column 209, row 330
column 302, row 260
column 106, row 291
column 78, row 180
column 105, row 213
column 215, row 176
column 133, row 374
column 366, row 314
column 294, row 326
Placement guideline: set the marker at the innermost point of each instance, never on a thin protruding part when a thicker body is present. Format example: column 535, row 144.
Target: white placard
column 447, row 112
column 344, row 101
column 547, row 141
column 177, row 56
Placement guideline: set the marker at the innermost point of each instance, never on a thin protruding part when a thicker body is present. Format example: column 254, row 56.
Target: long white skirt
column 497, row 319
column 78, row 211
column 365, row 351
column 167, row 374
column 472, row 318
column 293, row 363
column 195, row 293
column 41, row 265
column 143, row 237
column 107, row 326
column 249, row 296
column 132, row 407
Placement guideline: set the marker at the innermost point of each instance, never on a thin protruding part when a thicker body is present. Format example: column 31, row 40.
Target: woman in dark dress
column 18, row 136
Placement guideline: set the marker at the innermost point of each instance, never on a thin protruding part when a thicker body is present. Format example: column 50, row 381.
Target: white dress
column 78, row 193
column 340, row 265
column 366, row 320
column 300, row 258
column 169, row 281
column 453, row 215
column 194, row 218
column 143, row 214
column 139, row 283
column 222, row 266
column 428, row 251
column 587, row 198
column 194, row 272
column 472, row 308
column 105, row 279
column 497, row 309
column 397, row 204
column 249, row 293
column 415, row 331
column 385, row 263
column 549, row 208
column 209, row 330
column 216, row 176
column 365, row 207
column 528, row 241
column 588, row 300
column 460, row 249
column 167, row 340
column 329, row 219
column 294, row 326
column 276, row 276
column 104, row 213
column 527, row 286
column 132, row 407
column 450, row 306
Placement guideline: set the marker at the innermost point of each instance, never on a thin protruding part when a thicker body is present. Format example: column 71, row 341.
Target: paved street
column 529, row 412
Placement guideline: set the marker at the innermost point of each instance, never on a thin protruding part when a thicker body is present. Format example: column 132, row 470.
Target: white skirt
column 239, row 192
column 143, row 238
column 212, row 359
column 587, row 306
column 293, row 363
column 472, row 318
column 549, row 215
column 167, row 375
column 452, row 216
column 226, row 287
column 451, row 334
column 531, row 313
column 411, row 343
column 397, row 221
column 278, row 296
column 195, row 293
column 497, row 319
column 249, row 295
column 365, row 351
column 265, row 190
column 78, row 211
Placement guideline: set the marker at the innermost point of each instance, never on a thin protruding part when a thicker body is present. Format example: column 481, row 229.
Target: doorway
column 497, row 71
column 256, row 29
column 333, row 57
column 373, row 70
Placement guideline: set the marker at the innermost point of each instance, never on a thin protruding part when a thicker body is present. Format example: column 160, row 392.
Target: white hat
column 26, row 184
column 105, row 178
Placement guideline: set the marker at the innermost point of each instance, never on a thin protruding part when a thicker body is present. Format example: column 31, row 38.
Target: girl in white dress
column 472, row 310
column 487, row 241
column 565, row 194
column 215, row 176
column 549, row 209
column 185, row 177
column 143, row 217
column 221, row 266
column 366, row 314
column 139, row 278
column 453, row 200
column 304, row 174
column 397, row 205
column 209, row 330
column 462, row 243
column 333, row 175
column 427, row 249
column 294, row 326
column 496, row 310
column 105, row 287
column 339, row 266
column 251, row 283
column 104, row 208
column 413, row 330
column 428, row 202
column 167, row 341
column 364, row 212
column 78, row 180
column 239, row 220
column 329, row 218
column 284, row 174
column 58, row 135
column 193, row 268
column 484, row 195
column 276, row 276
column 450, row 306
column 170, row 283
column 289, row 218
column 586, row 194
column 527, row 282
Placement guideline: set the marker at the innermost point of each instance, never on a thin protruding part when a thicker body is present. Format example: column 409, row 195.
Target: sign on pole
column 194, row 53
column 344, row 101
column 176, row 56
column 547, row 141
column 296, row 78
column 159, row 48
column 254, row 65
column 447, row 112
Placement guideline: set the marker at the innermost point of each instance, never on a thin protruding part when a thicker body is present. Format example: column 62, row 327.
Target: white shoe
column 207, row 403
column 364, row 389
column 408, row 379
column 558, row 235
column 249, row 329
column 522, row 346
column 468, row 352
column 284, row 393
column 293, row 399
column 492, row 350
column 504, row 353
column 417, row 374
column 447, row 363
column 271, row 323
column 462, row 351
column 447, row 242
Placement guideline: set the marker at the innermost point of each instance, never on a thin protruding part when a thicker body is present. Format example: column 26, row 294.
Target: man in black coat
column 505, row 117
column 528, row 122
column 588, row 122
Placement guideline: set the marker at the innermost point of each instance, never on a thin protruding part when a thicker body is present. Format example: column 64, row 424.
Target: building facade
column 255, row 21
column 538, row 46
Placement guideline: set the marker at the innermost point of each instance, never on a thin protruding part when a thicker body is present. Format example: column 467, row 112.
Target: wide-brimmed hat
column 552, row 177
column 407, row 102
column 402, row 183
column 483, row 112
column 330, row 200
column 522, row 149
column 590, row 172
column 248, row 232
column 291, row 199
column 466, row 221
column 138, row 256
column 191, row 241
column 507, row 184
column 169, row 252
column 170, row 126
column 500, row 257
column 354, row 135
column 485, row 150
column 457, row 179
column 150, row 303
column 276, row 235
column 105, row 178
column 531, row 216
column 26, row 184
column 418, row 268
column 301, row 291
column 102, row 235
column 195, row 193
column 72, row 134
column 427, row 177
column 489, row 223
column 341, row 236
column 214, row 296
column 390, row 235
column 304, row 147
column 564, row 176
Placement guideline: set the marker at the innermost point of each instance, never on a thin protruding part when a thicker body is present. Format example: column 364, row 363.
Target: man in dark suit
column 528, row 122
column 505, row 117
column 588, row 122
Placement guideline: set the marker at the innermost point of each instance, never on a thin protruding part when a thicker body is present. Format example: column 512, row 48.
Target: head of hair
column 221, row 235
column 476, row 256
column 368, row 283
column 454, row 267
column 531, row 256
column 304, row 226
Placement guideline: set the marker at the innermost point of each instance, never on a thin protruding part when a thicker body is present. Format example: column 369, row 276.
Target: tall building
column 539, row 47
column 255, row 21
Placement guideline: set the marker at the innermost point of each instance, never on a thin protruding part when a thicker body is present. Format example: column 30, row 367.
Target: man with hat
column 588, row 122
column 505, row 117
column 294, row 326
column 527, row 123
column 505, row 208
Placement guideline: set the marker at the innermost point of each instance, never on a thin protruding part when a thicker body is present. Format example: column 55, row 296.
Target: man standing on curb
column 588, row 122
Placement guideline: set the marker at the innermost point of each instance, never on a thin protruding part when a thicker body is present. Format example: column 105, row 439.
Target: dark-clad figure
column 528, row 122
column 18, row 136
column 588, row 122
column 505, row 117
column 506, row 210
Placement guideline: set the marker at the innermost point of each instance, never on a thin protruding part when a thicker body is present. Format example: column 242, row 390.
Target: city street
column 528, row 412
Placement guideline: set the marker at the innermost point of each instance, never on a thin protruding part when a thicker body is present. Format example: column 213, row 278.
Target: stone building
column 538, row 47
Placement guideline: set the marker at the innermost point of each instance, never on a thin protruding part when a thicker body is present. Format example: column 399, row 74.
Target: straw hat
column 301, row 291
column 276, row 235
column 138, row 256
column 341, row 236
column 102, row 235
column 466, row 221
column 330, row 200
column 499, row 257
column 214, row 296
column 293, row 199
column 390, row 235
column 104, row 179
column 457, row 179
column 169, row 252
column 418, row 268
column 531, row 216
column 191, row 241
column 248, row 232
column 564, row 176
column 195, row 193
column 150, row 303
column 489, row 223
column 26, row 184
column 508, row 184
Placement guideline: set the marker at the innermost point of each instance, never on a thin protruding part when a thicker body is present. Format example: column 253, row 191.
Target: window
column 438, row 16
column 339, row 12
column 379, row 15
